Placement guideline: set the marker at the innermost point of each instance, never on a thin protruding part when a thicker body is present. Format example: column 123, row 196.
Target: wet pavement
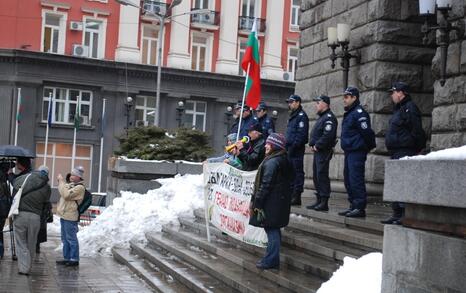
column 99, row 274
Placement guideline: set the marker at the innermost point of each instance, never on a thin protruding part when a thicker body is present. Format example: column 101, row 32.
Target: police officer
column 264, row 120
column 404, row 137
column 357, row 139
column 246, row 121
column 296, row 138
column 322, row 140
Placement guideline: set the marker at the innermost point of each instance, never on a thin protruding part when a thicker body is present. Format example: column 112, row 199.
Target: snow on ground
column 134, row 214
column 362, row 275
column 446, row 154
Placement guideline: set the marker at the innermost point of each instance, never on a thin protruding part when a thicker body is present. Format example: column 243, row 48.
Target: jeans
column 69, row 231
column 272, row 252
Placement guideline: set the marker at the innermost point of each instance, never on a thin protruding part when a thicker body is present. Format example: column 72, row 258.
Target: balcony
column 211, row 18
column 245, row 23
column 154, row 7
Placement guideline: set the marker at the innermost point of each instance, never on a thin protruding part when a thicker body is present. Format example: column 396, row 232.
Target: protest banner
column 227, row 194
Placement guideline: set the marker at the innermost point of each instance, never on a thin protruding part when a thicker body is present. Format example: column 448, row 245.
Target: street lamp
column 161, row 17
column 179, row 111
column 228, row 114
column 274, row 116
column 128, row 105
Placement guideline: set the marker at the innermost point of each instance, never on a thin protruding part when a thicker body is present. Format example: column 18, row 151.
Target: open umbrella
column 15, row 151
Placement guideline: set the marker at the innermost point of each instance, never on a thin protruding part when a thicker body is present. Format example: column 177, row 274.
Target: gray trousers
column 26, row 226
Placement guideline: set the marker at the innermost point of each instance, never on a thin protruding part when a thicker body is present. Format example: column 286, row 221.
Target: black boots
column 323, row 205
column 356, row 213
column 296, row 199
column 312, row 206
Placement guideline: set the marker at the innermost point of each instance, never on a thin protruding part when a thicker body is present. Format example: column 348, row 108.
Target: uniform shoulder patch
column 328, row 127
column 362, row 119
column 364, row 125
column 301, row 124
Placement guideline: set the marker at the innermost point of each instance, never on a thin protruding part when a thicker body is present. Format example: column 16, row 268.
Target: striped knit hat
column 277, row 141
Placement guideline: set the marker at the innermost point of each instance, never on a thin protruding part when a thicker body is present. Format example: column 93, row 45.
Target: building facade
column 85, row 51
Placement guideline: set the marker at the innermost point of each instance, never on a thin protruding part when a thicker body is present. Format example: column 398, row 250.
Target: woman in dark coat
column 270, row 203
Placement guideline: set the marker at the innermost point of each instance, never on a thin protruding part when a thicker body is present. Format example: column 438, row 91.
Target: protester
column 266, row 122
column 23, row 165
column 246, row 120
column 36, row 193
column 322, row 140
column 270, row 203
column 357, row 139
column 404, row 137
column 71, row 195
column 297, row 132
column 252, row 154
column 230, row 156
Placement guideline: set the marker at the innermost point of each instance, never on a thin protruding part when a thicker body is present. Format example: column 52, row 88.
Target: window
column 65, row 103
column 248, row 8
column 150, row 38
column 53, row 34
column 201, row 4
column 94, row 37
column 145, row 111
column 292, row 61
column 295, row 14
column 199, row 53
column 195, row 115
column 59, row 156
column 242, row 50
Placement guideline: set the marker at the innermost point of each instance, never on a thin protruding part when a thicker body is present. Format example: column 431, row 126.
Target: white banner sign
column 228, row 193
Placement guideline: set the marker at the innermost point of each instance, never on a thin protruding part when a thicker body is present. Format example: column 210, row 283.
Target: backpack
column 86, row 203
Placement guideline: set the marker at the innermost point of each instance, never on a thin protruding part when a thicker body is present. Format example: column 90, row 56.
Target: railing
column 245, row 23
column 211, row 18
column 154, row 7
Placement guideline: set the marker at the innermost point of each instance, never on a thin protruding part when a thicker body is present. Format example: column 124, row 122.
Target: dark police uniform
column 245, row 124
column 296, row 138
column 323, row 137
column 267, row 126
column 357, row 139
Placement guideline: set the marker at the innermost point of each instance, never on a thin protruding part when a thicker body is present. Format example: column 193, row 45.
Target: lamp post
column 339, row 37
column 274, row 116
column 160, row 43
column 444, row 27
column 128, row 105
column 179, row 112
column 228, row 114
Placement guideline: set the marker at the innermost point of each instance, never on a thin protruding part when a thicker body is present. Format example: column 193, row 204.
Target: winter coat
column 405, row 131
column 36, row 192
column 273, row 193
column 297, row 132
column 324, row 133
column 71, row 195
column 356, row 131
column 5, row 197
column 267, row 125
column 252, row 155
column 245, row 124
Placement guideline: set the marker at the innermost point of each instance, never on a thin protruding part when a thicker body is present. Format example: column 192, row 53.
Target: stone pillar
column 227, row 61
column 178, row 56
column 272, row 67
column 390, row 46
column 128, row 49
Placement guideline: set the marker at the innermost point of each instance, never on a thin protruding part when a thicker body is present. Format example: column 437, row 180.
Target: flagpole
column 76, row 125
column 17, row 116
column 49, row 112
column 74, row 149
column 242, row 103
column 101, row 146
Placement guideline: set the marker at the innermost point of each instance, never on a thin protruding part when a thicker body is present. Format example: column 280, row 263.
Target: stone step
column 191, row 278
column 315, row 264
column 226, row 271
column 287, row 277
column 157, row 280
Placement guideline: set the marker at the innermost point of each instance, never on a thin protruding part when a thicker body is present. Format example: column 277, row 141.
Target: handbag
column 14, row 210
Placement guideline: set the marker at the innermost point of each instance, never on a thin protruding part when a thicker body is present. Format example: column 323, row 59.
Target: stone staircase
column 180, row 259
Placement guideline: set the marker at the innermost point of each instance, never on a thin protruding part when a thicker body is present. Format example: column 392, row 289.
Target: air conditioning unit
column 76, row 26
column 80, row 50
column 140, row 123
column 286, row 76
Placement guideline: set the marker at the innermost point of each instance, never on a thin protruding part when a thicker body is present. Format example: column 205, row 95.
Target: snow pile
column 134, row 214
column 447, row 154
column 363, row 275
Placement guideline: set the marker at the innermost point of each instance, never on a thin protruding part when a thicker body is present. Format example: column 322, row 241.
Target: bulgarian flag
column 77, row 116
column 251, row 64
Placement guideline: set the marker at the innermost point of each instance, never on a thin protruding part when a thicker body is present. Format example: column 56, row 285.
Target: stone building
column 386, row 34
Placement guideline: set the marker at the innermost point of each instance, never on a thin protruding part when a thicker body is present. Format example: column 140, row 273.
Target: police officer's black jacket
column 356, row 131
column 245, row 124
column 324, row 133
column 267, row 125
column 273, row 193
column 252, row 155
column 297, row 132
column 405, row 127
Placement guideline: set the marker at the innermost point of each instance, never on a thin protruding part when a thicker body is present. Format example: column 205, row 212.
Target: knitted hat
column 78, row 171
column 277, row 141
column 44, row 170
column 231, row 137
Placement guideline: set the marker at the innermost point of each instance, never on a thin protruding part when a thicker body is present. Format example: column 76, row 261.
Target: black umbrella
column 15, row 151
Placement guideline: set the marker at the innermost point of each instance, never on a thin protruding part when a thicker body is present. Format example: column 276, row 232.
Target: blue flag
column 50, row 112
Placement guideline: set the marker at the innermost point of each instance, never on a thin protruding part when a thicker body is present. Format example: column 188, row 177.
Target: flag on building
column 50, row 112
column 251, row 61
column 77, row 116
column 19, row 108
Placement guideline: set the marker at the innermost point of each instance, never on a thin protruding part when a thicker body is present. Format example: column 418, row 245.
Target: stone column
column 228, row 47
column 128, row 49
column 178, row 56
column 272, row 67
